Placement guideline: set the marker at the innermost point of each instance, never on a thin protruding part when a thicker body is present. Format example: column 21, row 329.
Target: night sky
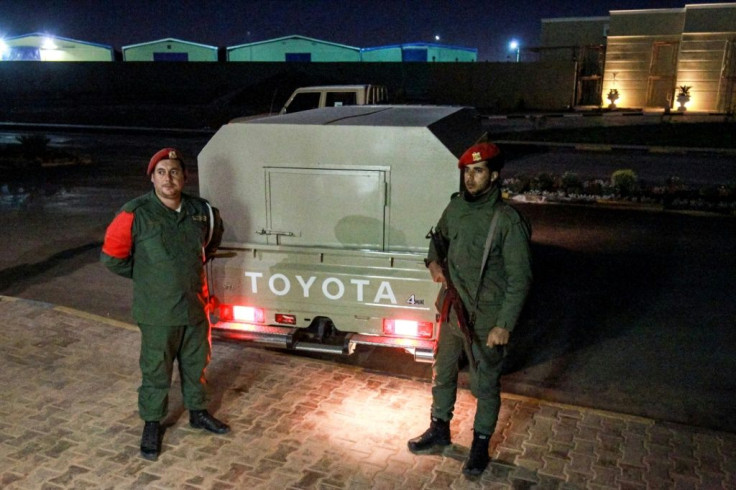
column 483, row 24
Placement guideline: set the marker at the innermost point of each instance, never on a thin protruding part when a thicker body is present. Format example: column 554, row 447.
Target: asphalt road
column 631, row 309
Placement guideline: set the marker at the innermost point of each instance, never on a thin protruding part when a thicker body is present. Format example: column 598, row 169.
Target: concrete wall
column 571, row 33
column 208, row 94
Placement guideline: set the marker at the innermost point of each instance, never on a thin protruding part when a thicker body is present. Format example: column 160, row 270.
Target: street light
column 514, row 46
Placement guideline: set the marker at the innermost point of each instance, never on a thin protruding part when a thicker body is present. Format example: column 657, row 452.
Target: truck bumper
column 288, row 338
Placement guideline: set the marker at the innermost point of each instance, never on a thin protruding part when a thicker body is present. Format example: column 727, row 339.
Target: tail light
column 407, row 328
column 285, row 319
column 236, row 313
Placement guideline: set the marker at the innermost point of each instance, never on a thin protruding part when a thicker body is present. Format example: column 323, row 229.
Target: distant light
column 436, row 37
column 515, row 46
column 3, row 48
column 48, row 43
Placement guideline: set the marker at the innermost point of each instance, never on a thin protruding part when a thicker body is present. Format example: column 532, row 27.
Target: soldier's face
column 478, row 178
column 168, row 179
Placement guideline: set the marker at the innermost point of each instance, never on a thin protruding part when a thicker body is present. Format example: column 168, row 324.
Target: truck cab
column 306, row 98
column 326, row 214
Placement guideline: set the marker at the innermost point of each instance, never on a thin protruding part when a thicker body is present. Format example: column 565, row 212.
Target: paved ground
column 68, row 420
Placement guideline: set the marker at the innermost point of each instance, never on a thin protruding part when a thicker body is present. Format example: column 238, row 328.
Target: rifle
column 451, row 298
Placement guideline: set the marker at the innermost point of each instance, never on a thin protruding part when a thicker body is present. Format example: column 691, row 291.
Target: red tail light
column 246, row 314
column 407, row 328
column 285, row 319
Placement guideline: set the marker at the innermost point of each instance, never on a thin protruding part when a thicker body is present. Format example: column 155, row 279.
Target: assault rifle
column 451, row 298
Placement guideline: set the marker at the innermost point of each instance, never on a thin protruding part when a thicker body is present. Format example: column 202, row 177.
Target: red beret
column 478, row 153
column 165, row 154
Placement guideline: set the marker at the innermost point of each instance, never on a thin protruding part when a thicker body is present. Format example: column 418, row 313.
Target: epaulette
column 456, row 194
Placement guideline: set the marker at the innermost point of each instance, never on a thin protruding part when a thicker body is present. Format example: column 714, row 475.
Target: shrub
column 624, row 181
column 517, row 185
column 543, row 182
column 571, row 183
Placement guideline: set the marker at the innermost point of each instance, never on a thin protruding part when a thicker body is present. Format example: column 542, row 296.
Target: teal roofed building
column 169, row 49
column 293, row 48
column 45, row 47
column 421, row 52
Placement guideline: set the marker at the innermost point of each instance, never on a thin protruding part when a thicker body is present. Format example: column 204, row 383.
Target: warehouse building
column 169, row 49
column 293, row 48
column 424, row 52
column 43, row 47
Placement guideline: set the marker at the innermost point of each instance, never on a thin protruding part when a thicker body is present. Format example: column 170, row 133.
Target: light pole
column 514, row 46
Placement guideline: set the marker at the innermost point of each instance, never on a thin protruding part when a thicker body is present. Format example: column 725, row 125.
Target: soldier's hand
column 497, row 336
column 436, row 271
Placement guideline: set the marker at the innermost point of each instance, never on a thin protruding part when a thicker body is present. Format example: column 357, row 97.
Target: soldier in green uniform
column 493, row 299
column 161, row 240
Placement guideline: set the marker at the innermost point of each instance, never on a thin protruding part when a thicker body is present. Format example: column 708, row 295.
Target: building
column 583, row 41
column 424, row 52
column 43, row 47
column 293, row 48
column 645, row 59
column 169, row 49
column 652, row 55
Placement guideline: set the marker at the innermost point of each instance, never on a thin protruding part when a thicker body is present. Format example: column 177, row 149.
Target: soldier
column 488, row 266
column 162, row 240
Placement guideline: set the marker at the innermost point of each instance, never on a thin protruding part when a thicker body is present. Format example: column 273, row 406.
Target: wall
column 208, row 94
column 571, row 33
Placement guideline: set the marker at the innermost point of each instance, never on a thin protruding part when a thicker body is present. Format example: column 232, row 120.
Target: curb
column 679, row 150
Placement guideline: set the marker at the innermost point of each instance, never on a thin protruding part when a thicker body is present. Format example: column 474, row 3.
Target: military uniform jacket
column 464, row 224
column 163, row 251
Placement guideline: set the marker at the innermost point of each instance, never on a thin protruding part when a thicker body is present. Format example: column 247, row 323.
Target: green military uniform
column 506, row 281
column 163, row 251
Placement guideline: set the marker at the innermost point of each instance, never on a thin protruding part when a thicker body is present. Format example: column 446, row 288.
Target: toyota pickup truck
column 326, row 214
column 305, row 98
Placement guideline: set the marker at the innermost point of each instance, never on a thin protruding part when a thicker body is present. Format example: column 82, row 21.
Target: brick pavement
column 68, row 420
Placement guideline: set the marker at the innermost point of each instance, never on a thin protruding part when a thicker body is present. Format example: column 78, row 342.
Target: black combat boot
column 151, row 441
column 478, row 457
column 433, row 440
column 201, row 419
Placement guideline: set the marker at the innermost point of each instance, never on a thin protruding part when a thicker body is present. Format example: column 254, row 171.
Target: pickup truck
column 306, row 98
column 326, row 214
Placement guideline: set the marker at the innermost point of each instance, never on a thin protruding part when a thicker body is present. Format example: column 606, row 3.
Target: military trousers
column 484, row 380
column 190, row 347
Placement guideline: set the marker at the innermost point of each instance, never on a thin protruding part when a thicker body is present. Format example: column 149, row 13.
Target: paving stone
column 66, row 426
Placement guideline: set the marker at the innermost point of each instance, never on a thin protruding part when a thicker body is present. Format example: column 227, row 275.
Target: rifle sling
column 486, row 253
